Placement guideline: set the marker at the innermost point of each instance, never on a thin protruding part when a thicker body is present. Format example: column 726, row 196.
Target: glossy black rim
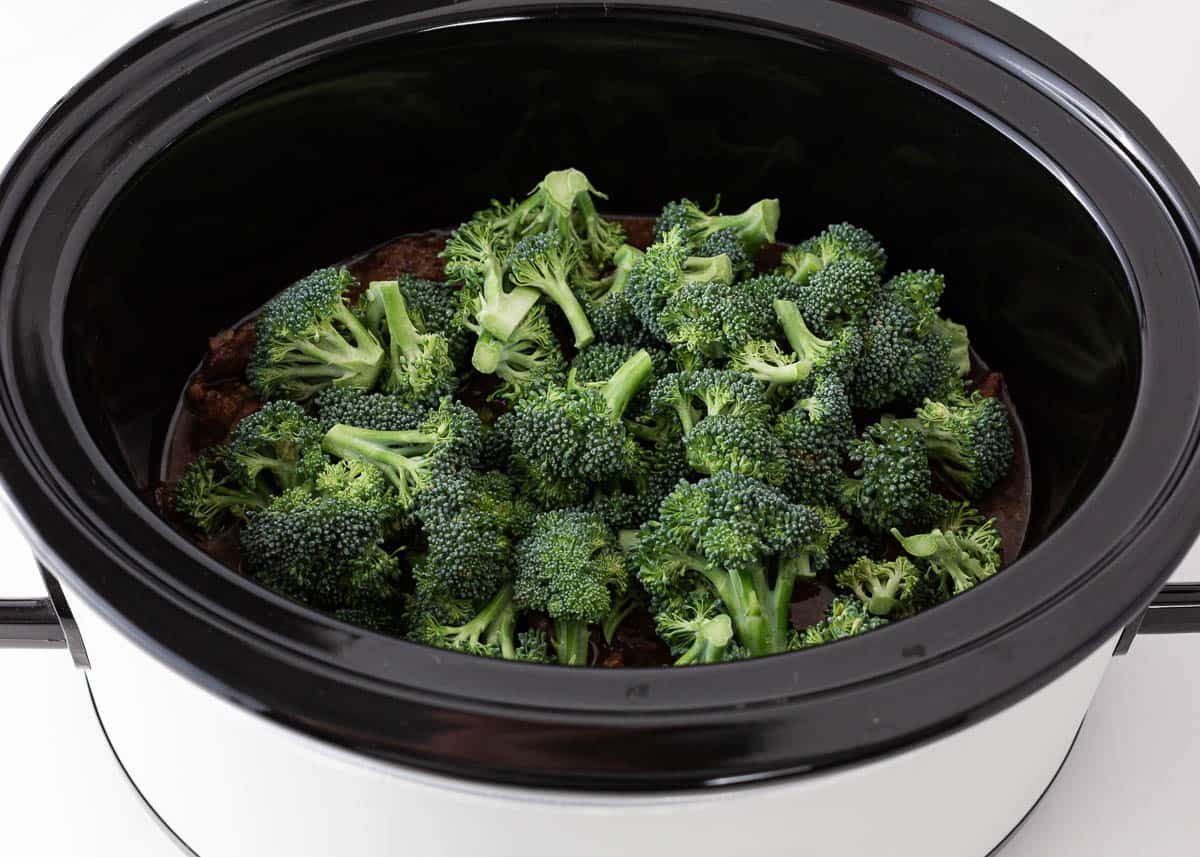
column 623, row 729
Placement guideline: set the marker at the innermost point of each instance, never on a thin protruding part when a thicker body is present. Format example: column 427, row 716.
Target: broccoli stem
column 737, row 589
column 708, row 269
column 493, row 626
column 803, row 341
column 501, row 311
column 626, row 258
column 754, row 226
column 571, row 642
column 333, row 356
column 712, row 641
column 397, row 454
column 402, row 335
column 488, row 353
column 617, row 615
column 560, row 292
column 626, row 381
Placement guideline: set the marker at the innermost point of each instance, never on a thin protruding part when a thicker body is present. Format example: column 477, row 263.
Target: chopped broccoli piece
column 725, row 242
column 279, row 444
column 753, row 227
column 570, row 567
column 367, row 410
column 845, row 618
column 528, row 362
column 718, row 318
column 814, row 434
column 491, row 632
column 450, row 436
column 545, row 262
column 968, row 436
column 891, row 486
column 881, row 586
column 567, row 439
column 744, row 541
column 959, row 559
column 765, row 361
column 208, row 495
column 664, row 269
column 308, row 338
column 838, row 241
column 419, row 367
column 693, row 396
column 738, row 444
column 433, row 305
column 697, row 630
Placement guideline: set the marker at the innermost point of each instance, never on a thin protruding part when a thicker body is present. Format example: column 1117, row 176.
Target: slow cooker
column 238, row 145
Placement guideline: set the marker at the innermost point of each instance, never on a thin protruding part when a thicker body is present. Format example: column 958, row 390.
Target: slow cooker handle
column 1176, row 610
column 41, row 623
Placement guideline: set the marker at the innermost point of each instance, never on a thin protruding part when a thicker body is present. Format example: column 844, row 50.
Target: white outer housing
column 231, row 783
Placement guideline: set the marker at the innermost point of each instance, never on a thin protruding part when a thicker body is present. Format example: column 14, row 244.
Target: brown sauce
column 217, row 396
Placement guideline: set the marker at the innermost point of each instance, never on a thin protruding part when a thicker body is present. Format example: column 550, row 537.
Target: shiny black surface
column 29, row 623
column 239, row 145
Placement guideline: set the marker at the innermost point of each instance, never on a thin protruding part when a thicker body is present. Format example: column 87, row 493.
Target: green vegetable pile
column 663, row 430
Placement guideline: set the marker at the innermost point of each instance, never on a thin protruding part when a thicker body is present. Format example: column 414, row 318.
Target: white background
column 1130, row 788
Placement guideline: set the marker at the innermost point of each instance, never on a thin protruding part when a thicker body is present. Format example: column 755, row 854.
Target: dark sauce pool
column 217, row 396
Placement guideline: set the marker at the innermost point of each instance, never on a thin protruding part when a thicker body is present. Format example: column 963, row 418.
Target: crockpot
column 238, row 145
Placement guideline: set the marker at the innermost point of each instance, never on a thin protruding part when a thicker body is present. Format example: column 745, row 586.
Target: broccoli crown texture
column 891, row 486
column 664, row 269
column 753, row 227
column 695, row 395
column 208, row 496
column 308, row 339
column 279, row 444
column 419, row 367
column 970, row 438
column 846, row 617
column 839, row 241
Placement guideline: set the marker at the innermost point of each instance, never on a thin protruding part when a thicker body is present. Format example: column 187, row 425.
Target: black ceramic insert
column 240, row 145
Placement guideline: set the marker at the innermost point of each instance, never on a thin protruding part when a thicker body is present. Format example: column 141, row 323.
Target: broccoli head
column 969, row 437
column 743, row 445
column 664, row 269
column 846, row 617
column 881, row 586
column 753, row 227
column 959, row 558
column 208, row 495
column 419, row 367
column 717, row 318
column 450, row 436
column 491, row 632
column 839, row 241
column 567, row 439
column 308, row 339
column 891, row 486
column 725, row 242
column 546, row 262
column 696, row 395
column 571, row 568
column 433, row 305
column 764, row 360
column 742, row 540
column 814, row 435
column 697, row 630
column 527, row 362
column 369, row 410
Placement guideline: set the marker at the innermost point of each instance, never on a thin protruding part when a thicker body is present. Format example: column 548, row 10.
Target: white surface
column 1128, row 790
column 329, row 802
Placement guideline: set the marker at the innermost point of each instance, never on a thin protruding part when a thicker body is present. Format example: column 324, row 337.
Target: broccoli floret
column 907, row 355
column 610, row 312
column 697, row 630
column 846, row 617
column 891, row 486
column 968, row 436
column 725, row 242
column 433, row 305
column 745, row 542
column 308, row 339
column 419, row 367
column 814, row 435
column 450, row 436
column 958, row 342
column 959, row 558
column 664, row 269
column 601, row 360
column 279, row 444
column 471, row 522
column 476, row 254
column 545, row 262
column 630, row 501
column 838, row 241
column 764, row 360
column 881, row 586
column 841, row 291
column 753, row 227
column 367, row 410
column 743, row 445
column 562, row 202
column 208, row 495
column 693, row 396
column 527, row 362
column 323, row 549
column 491, row 632
column 567, row 439
column 571, row 568
column 718, row 318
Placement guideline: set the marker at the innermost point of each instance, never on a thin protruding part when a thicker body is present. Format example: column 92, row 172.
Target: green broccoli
column 891, row 486
column 601, row 360
column 959, row 558
column 433, row 304
column 567, row 439
column 325, row 549
column 969, row 437
column 471, row 522
column 571, row 568
column 743, row 540
column 718, row 318
column 634, row 498
column 419, row 367
column 308, row 339
column 664, row 269
column 845, row 617
column 450, row 436
column 881, row 586
column 764, row 360
column 279, row 444
column 754, row 227
column 491, row 632
column 743, row 445
column 545, row 262
column 696, row 395
column 207, row 495
column 839, row 241
column 725, row 242
column 561, row 202
column 380, row 411
column 527, row 362
column 814, row 435
column 697, row 630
